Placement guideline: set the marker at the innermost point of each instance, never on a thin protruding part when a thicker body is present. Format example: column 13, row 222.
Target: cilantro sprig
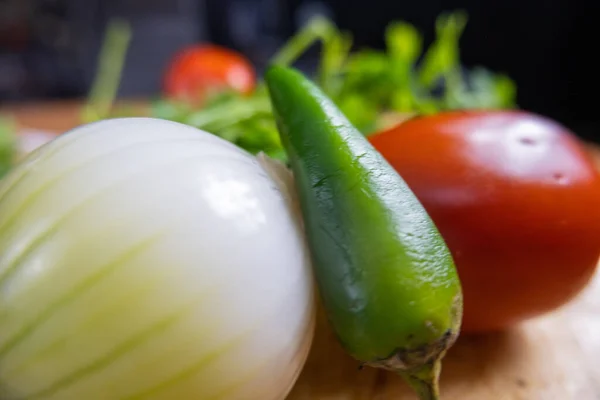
column 374, row 88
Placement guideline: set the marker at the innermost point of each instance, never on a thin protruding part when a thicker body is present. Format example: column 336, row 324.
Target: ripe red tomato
column 517, row 199
column 198, row 70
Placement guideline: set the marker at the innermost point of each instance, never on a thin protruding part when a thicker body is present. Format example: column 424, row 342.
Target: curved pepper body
column 386, row 278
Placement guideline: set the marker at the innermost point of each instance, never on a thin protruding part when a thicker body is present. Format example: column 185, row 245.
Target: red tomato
column 198, row 70
column 517, row 200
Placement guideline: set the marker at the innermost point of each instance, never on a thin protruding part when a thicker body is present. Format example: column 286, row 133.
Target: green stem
column 108, row 76
column 228, row 114
column 336, row 47
column 8, row 144
column 335, row 54
column 425, row 380
column 318, row 28
column 442, row 57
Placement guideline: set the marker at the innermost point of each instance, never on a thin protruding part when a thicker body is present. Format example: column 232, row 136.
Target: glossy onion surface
column 144, row 259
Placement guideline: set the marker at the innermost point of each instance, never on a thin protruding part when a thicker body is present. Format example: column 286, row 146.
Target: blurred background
column 49, row 48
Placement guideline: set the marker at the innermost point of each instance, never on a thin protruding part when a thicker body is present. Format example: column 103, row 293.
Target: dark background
column 48, row 48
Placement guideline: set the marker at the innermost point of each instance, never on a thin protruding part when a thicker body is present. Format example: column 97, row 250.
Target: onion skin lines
column 144, row 259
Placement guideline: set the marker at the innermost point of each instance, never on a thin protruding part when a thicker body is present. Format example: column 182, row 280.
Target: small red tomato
column 196, row 71
column 517, row 199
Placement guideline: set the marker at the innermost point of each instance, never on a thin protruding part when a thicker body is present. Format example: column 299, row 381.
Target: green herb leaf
column 442, row 58
column 404, row 44
column 8, row 145
column 373, row 88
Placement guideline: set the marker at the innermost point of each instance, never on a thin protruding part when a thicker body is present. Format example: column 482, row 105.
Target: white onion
column 144, row 259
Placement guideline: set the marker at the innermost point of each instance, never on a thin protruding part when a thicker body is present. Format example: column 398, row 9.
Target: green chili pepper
column 386, row 278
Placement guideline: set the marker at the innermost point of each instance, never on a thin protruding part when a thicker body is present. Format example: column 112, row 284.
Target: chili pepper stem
column 425, row 380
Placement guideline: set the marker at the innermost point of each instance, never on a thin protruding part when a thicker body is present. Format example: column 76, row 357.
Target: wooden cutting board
column 556, row 357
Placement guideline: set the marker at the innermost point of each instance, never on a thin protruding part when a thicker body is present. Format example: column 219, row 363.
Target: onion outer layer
column 144, row 259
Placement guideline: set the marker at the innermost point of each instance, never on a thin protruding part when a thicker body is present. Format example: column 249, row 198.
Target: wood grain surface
column 555, row 357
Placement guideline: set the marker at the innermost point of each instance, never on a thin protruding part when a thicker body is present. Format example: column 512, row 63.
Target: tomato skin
column 195, row 71
column 517, row 199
